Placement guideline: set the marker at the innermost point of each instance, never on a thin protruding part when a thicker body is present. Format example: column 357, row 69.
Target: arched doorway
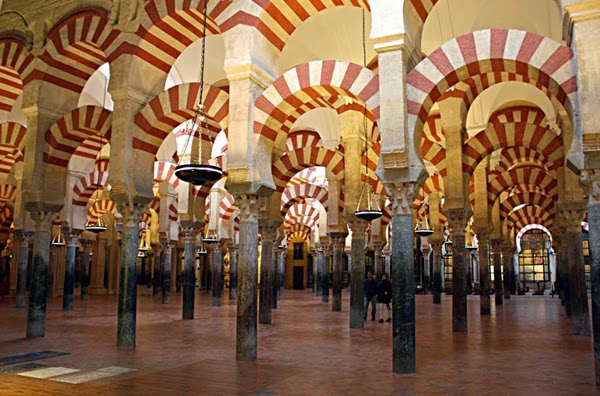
column 534, row 260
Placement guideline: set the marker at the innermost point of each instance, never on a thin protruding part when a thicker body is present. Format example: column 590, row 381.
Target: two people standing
column 377, row 292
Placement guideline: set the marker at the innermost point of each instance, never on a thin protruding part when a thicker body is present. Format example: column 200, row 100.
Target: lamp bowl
column 198, row 174
column 368, row 215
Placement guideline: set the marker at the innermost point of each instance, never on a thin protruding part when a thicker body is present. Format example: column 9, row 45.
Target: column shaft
column 497, row 258
column 232, row 272
column 69, row 276
column 189, row 273
column 484, row 276
column 506, row 267
column 325, row 278
column 266, row 276
column 357, row 292
column 166, row 275
column 593, row 210
column 24, row 238
column 216, row 258
column 336, row 287
column 458, row 221
column 437, row 272
column 85, row 272
column 156, row 274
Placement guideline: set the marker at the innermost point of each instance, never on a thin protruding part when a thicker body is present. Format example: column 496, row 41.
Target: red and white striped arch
column 75, row 128
column 526, row 198
column 512, row 156
column 8, row 193
column 499, row 135
column 299, row 227
column 529, row 227
column 280, row 19
column 307, row 175
column 305, row 83
column 102, row 165
column 15, row 70
column 301, row 213
column 227, row 207
column 300, row 193
column 521, row 176
column 528, row 215
column 77, row 46
column 434, row 183
column 165, row 171
column 535, row 57
column 100, row 207
column 87, row 186
column 175, row 106
column 12, row 145
column 300, row 139
column 298, row 235
column 526, row 114
column 294, row 161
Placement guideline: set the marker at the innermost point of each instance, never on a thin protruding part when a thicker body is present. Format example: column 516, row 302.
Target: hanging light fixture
column 424, row 229
column 142, row 246
column 470, row 242
column 195, row 172
column 59, row 239
column 210, row 237
column 98, row 225
column 372, row 209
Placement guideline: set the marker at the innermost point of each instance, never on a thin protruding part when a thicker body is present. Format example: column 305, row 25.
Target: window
column 448, row 264
column 534, row 262
column 585, row 240
column 298, row 251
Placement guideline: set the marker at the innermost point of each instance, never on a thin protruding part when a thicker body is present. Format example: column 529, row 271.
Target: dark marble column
column 577, row 287
column 233, row 251
column 484, row 275
column 247, row 271
column 189, row 271
column 72, row 240
column 166, row 257
column 458, row 221
column 426, row 250
column 127, row 303
column 357, row 292
column 281, row 264
column 275, row 285
column 86, row 245
column 325, row 275
column 179, row 269
column 24, row 238
column 377, row 261
column 403, row 277
column 338, row 241
column 436, row 247
column 156, row 273
column 507, row 263
column 38, row 288
column 497, row 260
column 216, row 259
column 591, row 184
column 266, row 274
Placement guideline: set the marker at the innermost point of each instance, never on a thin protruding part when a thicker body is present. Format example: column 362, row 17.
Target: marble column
column 275, row 285
column 179, row 269
column 338, row 241
column 458, row 221
column 325, row 275
column 156, row 273
column 281, row 272
column 72, row 240
column 484, row 275
column 591, row 184
column 189, row 272
column 267, row 267
column 357, row 292
column 166, row 257
column 438, row 279
column 580, row 318
column 507, row 263
column 24, row 238
column 86, row 245
column 233, row 250
column 38, row 289
column 315, row 262
column 426, row 250
column 377, row 262
column 403, row 277
column 497, row 261
column 247, row 271
column 216, row 261
column 319, row 268
column 127, row 303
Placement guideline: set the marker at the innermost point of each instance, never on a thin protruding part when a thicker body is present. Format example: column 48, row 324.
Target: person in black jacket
column 384, row 297
column 370, row 295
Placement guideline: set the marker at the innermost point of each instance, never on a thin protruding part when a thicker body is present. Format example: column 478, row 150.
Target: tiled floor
column 524, row 348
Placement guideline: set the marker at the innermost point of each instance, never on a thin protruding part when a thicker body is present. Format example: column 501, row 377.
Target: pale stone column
column 484, row 275
column 357, row 292
column 338, row 241
column 458, row 221
column 325, row 275
column 267, row 269
column 24, row 238
column 438, row 277
column 377, row 262
column 426, row 250
column 156, row 272
column 318, row 270
column 507, row 263
column 86, row 249
column 38, row 288
column 247, row 271
column 127, row 303
column 497, row 260
column 216, row 260
column 167, row 248
column 577, row 287
column 189, row 271
column 233, row 252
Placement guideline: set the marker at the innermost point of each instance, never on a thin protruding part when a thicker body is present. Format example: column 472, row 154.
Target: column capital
column 86, row 244
column 576, row 13
column 43, row 220
column 571, row 219
column 131, row 213
column 402, row 196
column 248, row 206
column 590, row 182
column 189, row 234
column 338, row 239
column 268, row 232
column 72, row 237
column 458, row 218
column 358, row 227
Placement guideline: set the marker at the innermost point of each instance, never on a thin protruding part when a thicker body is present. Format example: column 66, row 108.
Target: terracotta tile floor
column 524, row 348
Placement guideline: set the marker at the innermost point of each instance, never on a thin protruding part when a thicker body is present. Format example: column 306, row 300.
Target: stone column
column 281, row 272
column 403, row 277
column 24, row 238
column 86, row 248
column 426, row 250
column 189, row 271
column 233, row 251
column 178, row 269
column 484, row 275
column 357, row 292
column 72, row 240
column 377, row 261
column 156, row 273
column 166, row 257
column 438, row 278
column 497, row 261
column 275, row 285
column 325, row 276
column 315, row 262
column 127, row 303
column 267, row 268
column 247, row 271
column 338, row 241
column 216, row 260
column 507, row 263
column 38, row 288
column 577, row 287
column 458, row 221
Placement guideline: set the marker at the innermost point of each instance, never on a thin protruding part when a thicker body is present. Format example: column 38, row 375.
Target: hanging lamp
column 196, row 172
column 59, row 239
column 470, row 242
column 424, row 229
column 210, row 237
column 142, row 246
column 372, row 209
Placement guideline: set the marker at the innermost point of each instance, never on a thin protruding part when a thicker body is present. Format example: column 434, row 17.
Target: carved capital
column 268, row 233
column 590, row 183
column 402, row 196
column 358, row 227
column 189, row 234
column 338, row 240
column 166, row 246
column 131, row 214
column 43, row 220
column 72, row 238
column 24, row 237
column 571, row 220
column 248, row 206
column 458, row 218
column 86, row 244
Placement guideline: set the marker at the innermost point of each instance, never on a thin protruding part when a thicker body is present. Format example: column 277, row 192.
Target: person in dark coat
column 384, row 297
column 370, row 295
